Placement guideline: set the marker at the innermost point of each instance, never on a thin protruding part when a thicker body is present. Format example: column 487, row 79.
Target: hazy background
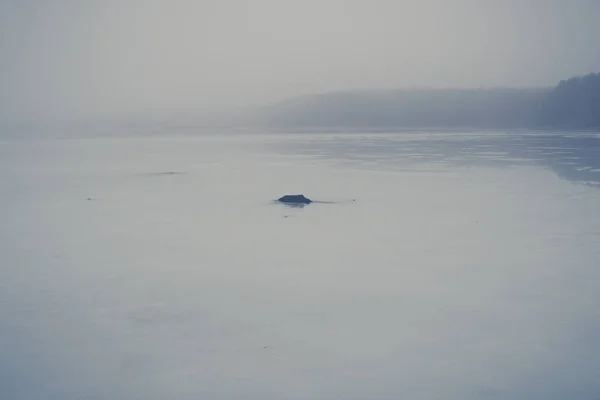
column 151, row 261
column 70, row 59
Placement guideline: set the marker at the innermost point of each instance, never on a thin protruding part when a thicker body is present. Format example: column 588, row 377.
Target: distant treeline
column 574, row 103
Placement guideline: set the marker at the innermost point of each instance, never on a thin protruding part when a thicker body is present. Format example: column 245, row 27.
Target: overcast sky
column 65, row 58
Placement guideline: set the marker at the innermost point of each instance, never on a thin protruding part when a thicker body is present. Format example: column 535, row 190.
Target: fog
column 451, row 251
column 71, row 59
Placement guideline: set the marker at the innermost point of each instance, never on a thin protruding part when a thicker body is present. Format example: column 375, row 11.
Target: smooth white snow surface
column 467, row 268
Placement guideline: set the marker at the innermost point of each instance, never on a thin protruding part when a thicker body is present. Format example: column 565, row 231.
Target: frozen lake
column 158, row 267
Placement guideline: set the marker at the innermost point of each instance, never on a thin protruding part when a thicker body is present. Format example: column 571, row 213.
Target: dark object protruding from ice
column 294, row 199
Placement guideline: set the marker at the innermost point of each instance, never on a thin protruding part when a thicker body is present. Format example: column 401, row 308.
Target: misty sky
column 99, row 57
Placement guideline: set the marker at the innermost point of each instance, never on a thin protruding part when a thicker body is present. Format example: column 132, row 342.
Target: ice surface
column 465, row 269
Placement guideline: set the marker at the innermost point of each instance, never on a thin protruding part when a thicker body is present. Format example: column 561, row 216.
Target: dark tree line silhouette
column 574, row 103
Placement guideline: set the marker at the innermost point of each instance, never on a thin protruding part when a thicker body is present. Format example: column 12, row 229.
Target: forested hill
column 574, row 103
